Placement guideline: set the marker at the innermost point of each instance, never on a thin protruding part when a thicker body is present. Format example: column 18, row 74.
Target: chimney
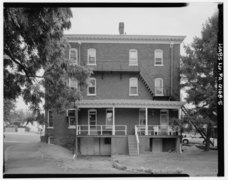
column 121, row 28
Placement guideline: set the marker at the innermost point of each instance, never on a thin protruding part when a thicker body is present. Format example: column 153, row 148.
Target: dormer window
column 73, row 56
column 158, row 82
column 158, row 57
column 91, row 57
column 133, row 57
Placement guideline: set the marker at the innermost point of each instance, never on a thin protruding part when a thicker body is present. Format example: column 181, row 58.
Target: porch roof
column 129, row 103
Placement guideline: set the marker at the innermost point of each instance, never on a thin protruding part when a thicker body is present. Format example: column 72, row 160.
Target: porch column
column 179, row 140
column 146, row 116
column 113, row 121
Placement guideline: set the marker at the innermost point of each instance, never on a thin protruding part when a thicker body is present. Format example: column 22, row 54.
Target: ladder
column 191, row 120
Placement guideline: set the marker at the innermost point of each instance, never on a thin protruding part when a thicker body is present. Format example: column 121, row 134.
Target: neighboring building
column 133, row 93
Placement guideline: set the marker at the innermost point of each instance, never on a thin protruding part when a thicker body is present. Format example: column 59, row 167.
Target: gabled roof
column 124, row 38
column 129, row 103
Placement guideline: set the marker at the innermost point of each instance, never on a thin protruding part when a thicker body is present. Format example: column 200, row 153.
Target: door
column 142, row 121
column 164, row 121
column 92, row 120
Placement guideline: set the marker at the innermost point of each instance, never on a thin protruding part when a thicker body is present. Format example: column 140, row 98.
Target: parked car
column 192, row 139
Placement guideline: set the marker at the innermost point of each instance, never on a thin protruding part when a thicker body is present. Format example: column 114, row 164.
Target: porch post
column 179, row 140
column 113, row 121
column 146, row 113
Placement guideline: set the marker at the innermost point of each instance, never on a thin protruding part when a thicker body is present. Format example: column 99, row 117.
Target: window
column 91, row 57
column 50, row 140
column 164, row 118
column 158, row 87
column 92, row 118
column 73, row 83
column 73, row 56
column 158, row 57
column 133, row 87
column 71, row 117
column 133, row 57
column 107, row 140
column 91, row 90
column 109, row 119
column 50, row 119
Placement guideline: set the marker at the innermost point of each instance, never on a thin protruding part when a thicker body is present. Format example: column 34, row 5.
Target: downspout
column 171, row 69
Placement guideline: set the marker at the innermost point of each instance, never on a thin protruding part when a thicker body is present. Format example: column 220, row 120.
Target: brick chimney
column 121, row 28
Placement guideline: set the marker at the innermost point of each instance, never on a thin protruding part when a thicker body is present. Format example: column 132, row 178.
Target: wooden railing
column 137, row 138
column 158, row 130
column 101, row 130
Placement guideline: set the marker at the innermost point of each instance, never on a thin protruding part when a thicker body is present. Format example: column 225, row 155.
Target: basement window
column 107, row 141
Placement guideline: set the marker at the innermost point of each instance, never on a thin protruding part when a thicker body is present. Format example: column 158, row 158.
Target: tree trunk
column 207, row 147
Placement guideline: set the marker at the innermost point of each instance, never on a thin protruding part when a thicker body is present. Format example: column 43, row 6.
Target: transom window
column 73, row 56
column 158, row 86
column 91, row 90
column 133, row 57
column 71, row 117
column 133, row 87
column 50, row 119
column 158, row 57
column 73, row 83
column 91, row 59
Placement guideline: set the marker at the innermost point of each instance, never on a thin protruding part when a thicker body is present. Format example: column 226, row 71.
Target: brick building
column 132, row 95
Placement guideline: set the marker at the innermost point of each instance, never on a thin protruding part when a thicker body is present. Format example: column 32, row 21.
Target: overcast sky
column 185, row 21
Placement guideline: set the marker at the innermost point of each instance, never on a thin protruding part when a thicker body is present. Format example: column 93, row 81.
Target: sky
column 187, row 21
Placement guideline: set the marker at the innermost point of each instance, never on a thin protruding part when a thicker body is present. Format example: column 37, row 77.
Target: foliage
column 198, row 71
column 9, row 106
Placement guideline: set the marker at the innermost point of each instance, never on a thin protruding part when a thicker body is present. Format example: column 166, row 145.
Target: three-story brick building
column 132, row 95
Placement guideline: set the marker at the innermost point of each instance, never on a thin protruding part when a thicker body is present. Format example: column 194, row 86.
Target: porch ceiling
column 129, row 103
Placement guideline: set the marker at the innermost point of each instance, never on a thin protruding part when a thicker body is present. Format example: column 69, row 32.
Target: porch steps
column 132, row 145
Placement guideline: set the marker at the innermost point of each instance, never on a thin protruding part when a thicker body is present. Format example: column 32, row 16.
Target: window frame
column 69, row 125
column 88, row 52
column 155, row 53
column 48, row 120
column 71, row 61
column 156, row 79
column 130, row 62
column 69, row 83
column 95, row 91
column 130, row 83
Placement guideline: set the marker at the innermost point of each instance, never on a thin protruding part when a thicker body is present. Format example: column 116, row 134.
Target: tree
column 199, row 75
column 9, row 106
column 34, row 43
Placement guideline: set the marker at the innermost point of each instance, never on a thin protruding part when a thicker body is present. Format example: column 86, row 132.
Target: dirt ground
column 40, row 158
column 192, row 161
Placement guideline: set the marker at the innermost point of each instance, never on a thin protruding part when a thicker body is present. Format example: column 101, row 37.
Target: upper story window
column 158, row 57
column 133, row 57
column 91, row 57
column 158, row 84
column 133, row 87
column 50, row 121
column 71, row 113
column 73, row 56
column 73, row 83
column 91, row 89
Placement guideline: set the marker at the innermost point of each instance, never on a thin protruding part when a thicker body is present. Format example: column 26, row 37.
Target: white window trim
column 69, row 80
column 49, row 127
column 130, row 87
column 70, row 126
column 92, row 110
column 130, row 62
column 88, row 63
column 167, row 111
column 156, row 87
column 74, row 49
column 155, row 58
column 88, row 94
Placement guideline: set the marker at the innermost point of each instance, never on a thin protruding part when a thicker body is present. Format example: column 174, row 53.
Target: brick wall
column 119, row 53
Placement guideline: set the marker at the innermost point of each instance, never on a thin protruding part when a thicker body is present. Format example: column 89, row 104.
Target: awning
column 129, row 103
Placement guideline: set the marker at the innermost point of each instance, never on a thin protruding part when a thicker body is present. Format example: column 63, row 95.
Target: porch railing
column 101, row 130
column 158, row 130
